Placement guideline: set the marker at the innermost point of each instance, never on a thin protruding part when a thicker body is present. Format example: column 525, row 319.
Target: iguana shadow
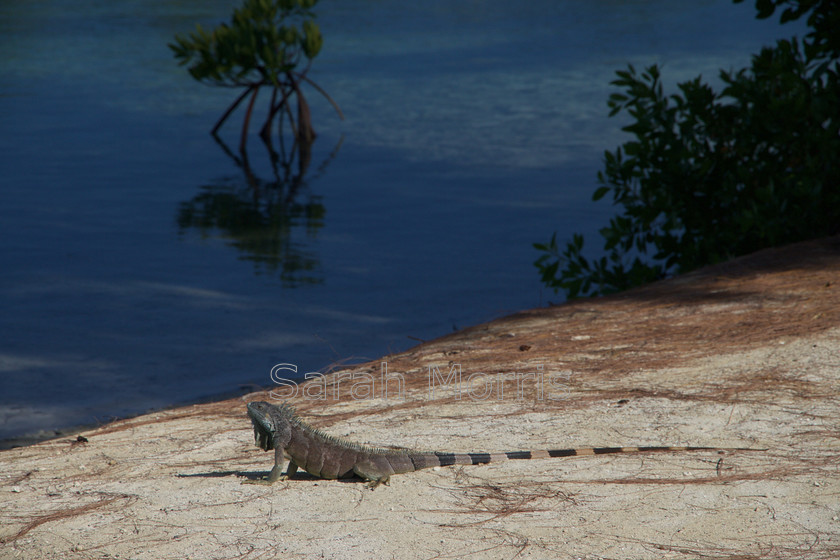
column 256, row 475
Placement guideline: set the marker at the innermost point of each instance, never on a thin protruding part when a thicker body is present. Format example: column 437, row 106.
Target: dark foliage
column 713, row 175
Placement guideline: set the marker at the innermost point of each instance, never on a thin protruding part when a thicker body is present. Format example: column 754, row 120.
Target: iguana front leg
column 276, row 471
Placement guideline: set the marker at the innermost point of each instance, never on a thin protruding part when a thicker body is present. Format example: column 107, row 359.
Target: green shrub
column 708, row 175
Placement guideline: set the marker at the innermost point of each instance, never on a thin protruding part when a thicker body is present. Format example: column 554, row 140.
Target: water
column 474, row 128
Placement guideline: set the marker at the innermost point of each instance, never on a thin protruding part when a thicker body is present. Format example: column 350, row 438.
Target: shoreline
column 32, row 438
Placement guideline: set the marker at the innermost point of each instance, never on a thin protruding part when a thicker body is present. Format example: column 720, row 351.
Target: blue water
column 474, row 128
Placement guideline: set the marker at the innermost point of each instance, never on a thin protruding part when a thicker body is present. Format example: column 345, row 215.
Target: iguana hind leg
column 382, row 480
column 373, row 478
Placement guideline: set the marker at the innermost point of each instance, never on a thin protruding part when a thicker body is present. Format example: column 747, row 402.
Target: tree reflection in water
column 273, row 223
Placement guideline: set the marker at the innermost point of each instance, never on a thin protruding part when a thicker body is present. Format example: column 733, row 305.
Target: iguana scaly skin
column 326, row 456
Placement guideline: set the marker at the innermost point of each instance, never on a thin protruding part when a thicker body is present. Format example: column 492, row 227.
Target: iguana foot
column 267, row 480
column 382, row 480
column 258, row 481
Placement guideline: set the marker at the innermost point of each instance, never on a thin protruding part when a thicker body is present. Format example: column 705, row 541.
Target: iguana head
column 264, row 429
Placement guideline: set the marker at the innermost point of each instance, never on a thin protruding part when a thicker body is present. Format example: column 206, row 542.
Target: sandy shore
column 745, row 354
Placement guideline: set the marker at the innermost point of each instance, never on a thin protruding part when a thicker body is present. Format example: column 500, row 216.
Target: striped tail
column 446, row 459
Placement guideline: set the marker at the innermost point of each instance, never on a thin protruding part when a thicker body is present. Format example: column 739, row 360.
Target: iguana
column 326, row 456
